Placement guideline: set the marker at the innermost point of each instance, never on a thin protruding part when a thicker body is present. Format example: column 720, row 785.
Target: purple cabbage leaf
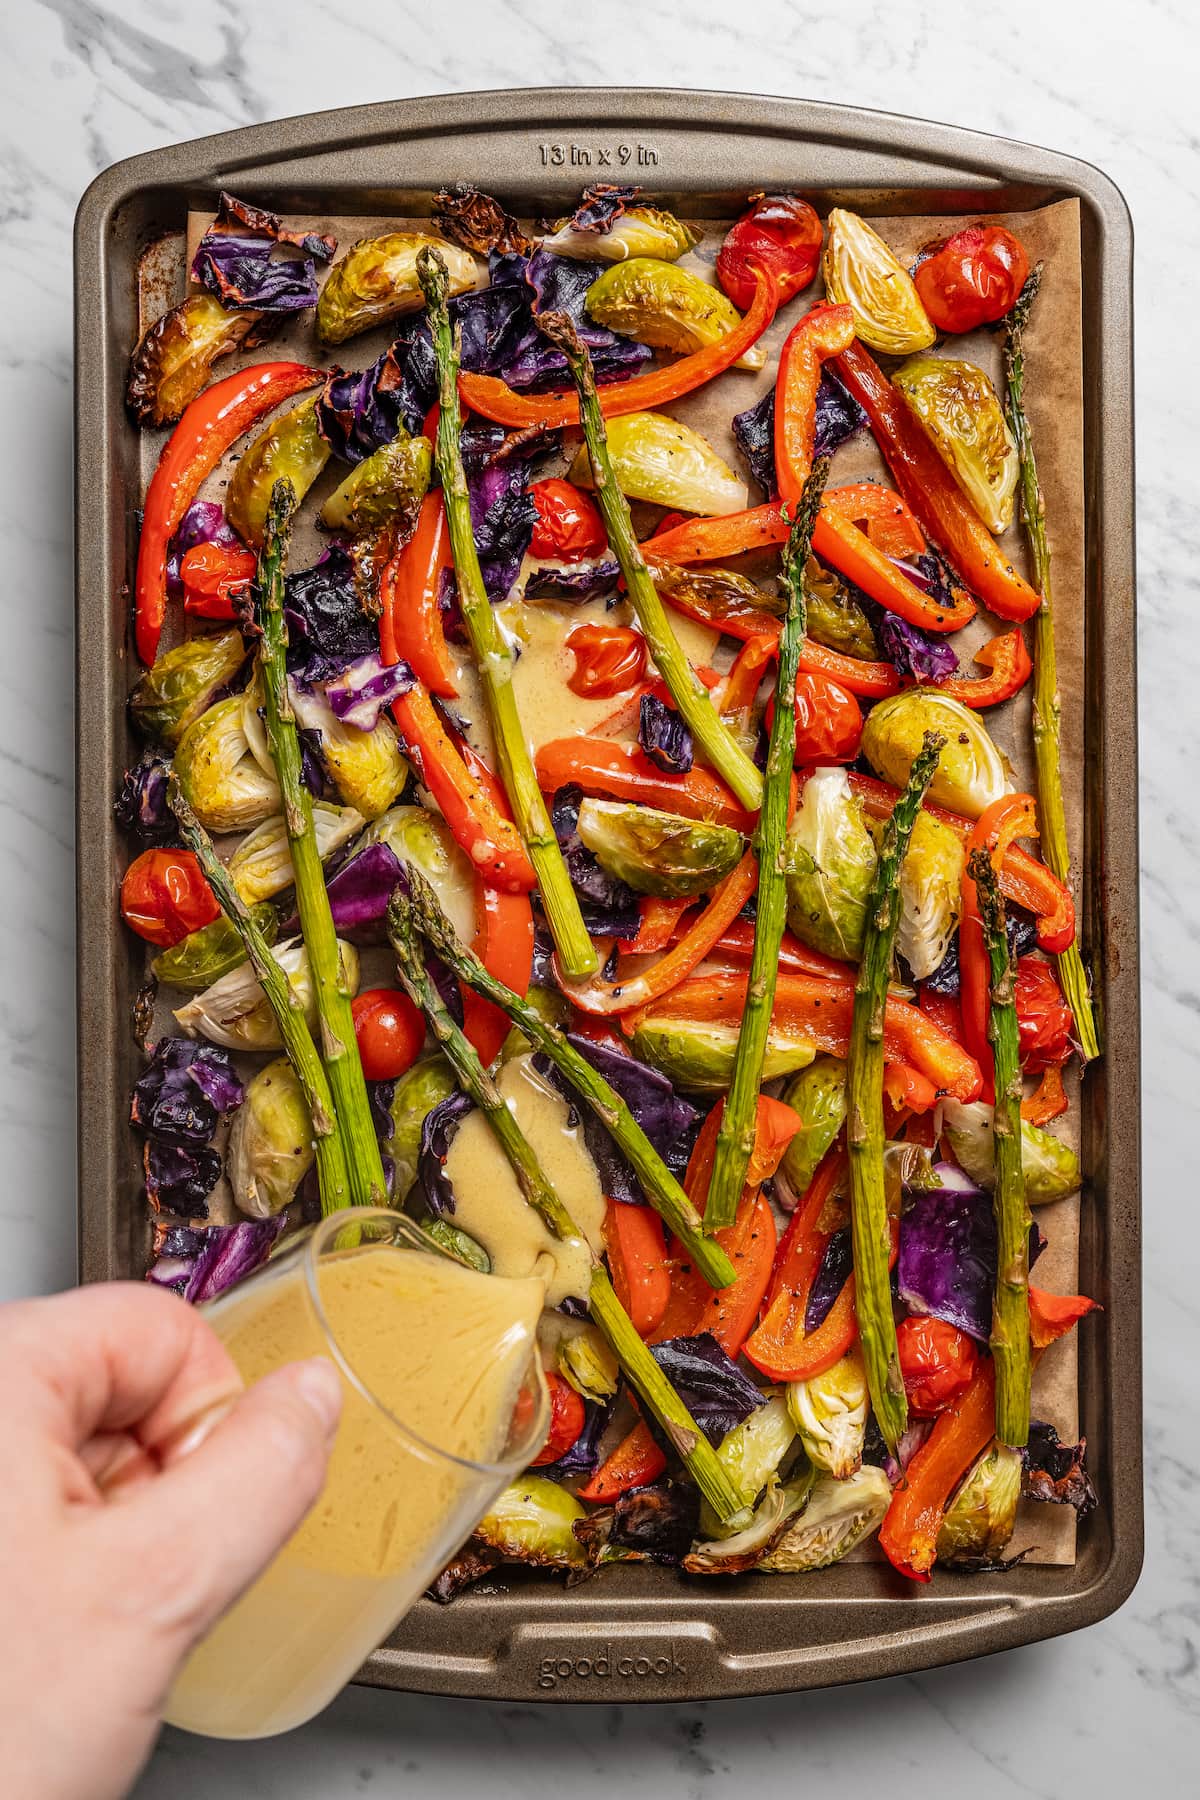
column 437, row 1133
column 1054, row 1471
column 248, row 259
column 947, row 1263
column 179, row 1179
column 327, row 628
column 199, row 1262
column 664, row 736
column 366, row 688
column 714, row 1390
column 180, row 1097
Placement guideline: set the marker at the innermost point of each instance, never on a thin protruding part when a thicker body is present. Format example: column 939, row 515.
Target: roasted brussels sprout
column 418, row 838
column 930, row 894
column 385, row 489
column 376, row 280
column 658, row 459
column 971, row 772
column 698, row 1057
column 831, row 865
column 752, row 1453
column 640, row 231
column 1051, row 1167
column 747, row 1547
column 862, row 273
column 835, row 617
column 270, row 1142
column 261, row 865
column 979, row 1521
column 366, row 767
column 181, row 684
column 716, row 591
column 456, row 1243
column 222, row 781
column 174, row 359
column 532, row 1522
column 830, row 1413
column 203, row 956
column 657, row 852
column 586, row 1361
column 818, row 1096
column 961, row 411
column 666, row 306
column 235, row 1012
column 418, row 1091
column 289, row 448
column 839, row 1515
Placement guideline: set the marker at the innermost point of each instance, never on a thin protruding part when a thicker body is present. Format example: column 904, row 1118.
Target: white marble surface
column 85, row 82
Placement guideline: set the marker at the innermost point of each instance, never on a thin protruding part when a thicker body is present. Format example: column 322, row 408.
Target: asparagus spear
column 1010, row 1309
column 577, row 954
column 639, row 1367
column 720, row 748
column 661, row 1188
column 1047, row 713
column 293, row 1028
column 735, row 1139
column 869, row 1226
column 339, row 1049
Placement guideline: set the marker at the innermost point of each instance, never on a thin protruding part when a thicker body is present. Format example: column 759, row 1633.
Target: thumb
column 234, row 1495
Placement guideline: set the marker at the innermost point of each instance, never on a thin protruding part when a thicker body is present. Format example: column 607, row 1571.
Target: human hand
column 142, row 1489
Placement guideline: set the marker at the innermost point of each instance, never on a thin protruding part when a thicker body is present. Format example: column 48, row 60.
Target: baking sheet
column 1055, row 404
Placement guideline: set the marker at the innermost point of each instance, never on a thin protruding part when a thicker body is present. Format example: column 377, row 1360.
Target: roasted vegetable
column 658, row 852
column 971, row 773
column 930, row 894
column 585, row 1359
column 271, row 1142
column 861, row 272
column 666, row 306
column 181, row 684
column 458, row 1244
column 752, row 1453
column 835, row 617
column 639, row 231
column 222, row 780
column 420, row 840
column 839, row 1515
column 658, row 459
column 247, row 258
column 748, row 1545
column 818, row 1095
column 698, row 1056
column 205, row 955
column 290, row 448
column 417, row 1094
column 386, row 489
column 979, row 1521
column 261, row 865
column 961, row 411
column 831, row 865
column 366, row 766
column 175, row 356
column 235, row 1012
column 830, row 1413
column 1051, row 1167
column 532, row 1522
column 376, row 281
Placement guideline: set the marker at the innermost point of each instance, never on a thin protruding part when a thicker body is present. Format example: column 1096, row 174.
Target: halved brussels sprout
column 1051, row 1167
column 839, row 1515
column 699, row 1056
column 532, row 1522
column 235, row 1012
column 658, row 852
column 456, row 1243
column 270, row 1142
column 718, row 591
column 961, row 411
column 666, row 306
column 175, row 357
column 366, row 766
column 835, row 617
column 222, row 781
column 831, row 866
column 980, row 1519
column 658, row 459
column 386, row 488
column 289, row 448
column 376, row 280
column 861, row 272
column 930, row 894
column 418, row 1091
column 830, row 1413
column 971, row 772
column 640, row 231
column 752, row 1452
column 586, row 1361
column 420, row 840
column 818, row 1096
column 747, row 1547
column 203, row 956
column 181, row 684
column 262, row 863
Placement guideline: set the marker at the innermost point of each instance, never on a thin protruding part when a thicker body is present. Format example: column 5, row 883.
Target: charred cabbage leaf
column 180, row 1097
column 1054, row 1471
column 247, row 258
column 327, row 627
column 477, row 222
column 607, row 902
column 179, row 1180
column 664, row 736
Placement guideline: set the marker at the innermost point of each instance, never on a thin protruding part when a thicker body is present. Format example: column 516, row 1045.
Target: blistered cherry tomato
column 1044, row 1019
column 212, row 576
column 569, row 527
column 164, row 896
column 567, row 1420
column 781, row 234
column 974, row 278
column 937, row 1362
column 829, row 720
column 609, row 659
column 390, row 1032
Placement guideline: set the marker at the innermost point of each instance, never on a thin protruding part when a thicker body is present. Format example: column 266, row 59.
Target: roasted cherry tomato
column 569, row 527
column 829, row 720
column 1044, row 1019
column 938, row 1363
column 164, row 896
column 609, row 659
column 973, row 278
column 212, row 576
column 781, row 234
column 567, row 1419
column 390, row 1032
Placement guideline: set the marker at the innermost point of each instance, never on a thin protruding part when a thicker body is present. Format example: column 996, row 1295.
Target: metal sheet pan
column 633, row 1635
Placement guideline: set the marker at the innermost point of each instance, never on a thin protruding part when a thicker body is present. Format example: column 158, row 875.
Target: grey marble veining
column 85, row 82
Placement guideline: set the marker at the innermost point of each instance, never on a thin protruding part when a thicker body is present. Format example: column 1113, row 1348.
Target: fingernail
column 320, row 1387
column 191, row 1438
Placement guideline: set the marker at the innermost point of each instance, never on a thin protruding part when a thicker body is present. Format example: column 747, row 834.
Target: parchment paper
column 1054, row 400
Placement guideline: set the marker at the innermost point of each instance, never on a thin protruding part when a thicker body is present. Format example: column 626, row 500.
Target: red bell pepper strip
column 943, row 1009
column 746, row 675
column 212, row 576
column 637, row 1261
column 494, row 399
column 636, row 1461
column 909, row 1534
column 610, row 770
column 1051, row 1316
column 729, row 1313
column 886, row 518
column 737, row 944
column 659, row 924
column 780, row 1343
column 411, row 623
column 908, row 1089
column 1015, row 815
column 942, row 508
column 212, row 422
column 823, row 332
column 1010, row 664
column 1049, row 1099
